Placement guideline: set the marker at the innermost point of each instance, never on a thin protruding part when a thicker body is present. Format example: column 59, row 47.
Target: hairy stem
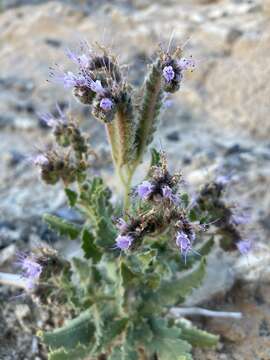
column 151, row 104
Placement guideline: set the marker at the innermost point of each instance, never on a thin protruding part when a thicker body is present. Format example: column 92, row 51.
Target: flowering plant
column 143, row 253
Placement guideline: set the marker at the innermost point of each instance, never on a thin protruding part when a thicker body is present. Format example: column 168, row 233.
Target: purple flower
column 244, row 246
column 145, row 189
column 121, row 224
column 183, row 243
column 241, row 218
column 106, row 104
column 96, row 86
column 123, row 242
column 51, row 121
column 168, row 73
column 81, row 60
column 31, row 269
column 186, row 64
column 40, row 160
column 168, row 194
column 68, row 79
column 223, row 180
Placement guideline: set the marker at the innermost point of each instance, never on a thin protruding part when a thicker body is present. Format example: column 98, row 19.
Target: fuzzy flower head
column 31, row 269
column 240, row 217
column 53, row 121
column 106, row 104
column 168, row 73
column 123, row 242
column 145, row 189
column 168, row 194
column 244, row 246
column 69, row 79
column 184, row 243
column 121, row 225
column 82, row 60
column 96, row 86
column 40, row 160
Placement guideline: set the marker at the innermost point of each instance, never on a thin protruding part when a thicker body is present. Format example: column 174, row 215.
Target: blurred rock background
column 218, row 123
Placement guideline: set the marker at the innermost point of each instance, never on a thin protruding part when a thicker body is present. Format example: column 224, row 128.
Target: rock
column 173, row 136
column 219, row 279
column 256, row 266
column 7, row 254
column 241, row 80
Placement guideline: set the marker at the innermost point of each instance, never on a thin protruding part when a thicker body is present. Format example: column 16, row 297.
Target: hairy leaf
column 76, row 331
column 78, row 353
column 175, row 291
column 72, row 197
column 63, row 227
column 155, row 157
column 167, row 342
column 195, row 336
column 91, row 251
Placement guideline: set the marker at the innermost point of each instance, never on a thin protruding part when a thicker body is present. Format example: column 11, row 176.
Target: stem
column 113, row 139
column 178, row 312
column 127, row 191
column 151, row 104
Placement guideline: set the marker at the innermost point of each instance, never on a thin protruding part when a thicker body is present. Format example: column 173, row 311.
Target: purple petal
column 31, row 269
column 96, row 87
column 186, row 64
column 106, row 104
column 40, row 160
column 121, row 224
column 48, row 119
column 145, row 189
column 168, row 73
column 168, row 194
column 123, row 242
column 81, row 60
column 244, row 246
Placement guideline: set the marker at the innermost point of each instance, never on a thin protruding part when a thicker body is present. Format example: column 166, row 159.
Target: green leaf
column 105, row 233
column 175, row 291
column 90, row 250
column 63, row 227
column 195, row 336
column 72, row 197
column 79, row 353
column 193, row 215
column 185, row 199
column 83, row 269
column 123, row 353
column 127, row 275
column 167, row 343
column 76, row 331
column 146, row 258
column 113, row 329
column 155, row 157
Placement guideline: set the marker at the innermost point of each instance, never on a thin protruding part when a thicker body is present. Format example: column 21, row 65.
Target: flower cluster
column 185, row 236
column 97, row 82
column 162, row 187
column 55, row 166
column 173, row 67
column 31, row 269
column 223, row 216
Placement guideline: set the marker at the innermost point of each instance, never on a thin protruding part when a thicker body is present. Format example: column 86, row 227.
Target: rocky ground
column 219, row 122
